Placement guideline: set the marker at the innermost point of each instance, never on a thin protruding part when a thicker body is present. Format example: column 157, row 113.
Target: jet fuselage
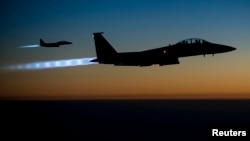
column 56, row 44
column 163, row 56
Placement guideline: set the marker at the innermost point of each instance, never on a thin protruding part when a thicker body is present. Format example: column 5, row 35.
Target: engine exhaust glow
column 53, row 64
column 30, row 46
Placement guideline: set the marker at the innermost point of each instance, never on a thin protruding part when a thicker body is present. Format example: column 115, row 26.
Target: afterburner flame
column 54, row 64
column 30, row 46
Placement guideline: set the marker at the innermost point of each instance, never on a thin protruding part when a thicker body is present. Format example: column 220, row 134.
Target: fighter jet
column 166, row 55
column 56, row 44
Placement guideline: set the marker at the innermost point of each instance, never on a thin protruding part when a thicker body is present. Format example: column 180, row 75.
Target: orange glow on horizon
column 194, row 78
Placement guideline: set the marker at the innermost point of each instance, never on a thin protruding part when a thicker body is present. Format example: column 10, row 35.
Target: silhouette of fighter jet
column 56, row 44
column 166, row 55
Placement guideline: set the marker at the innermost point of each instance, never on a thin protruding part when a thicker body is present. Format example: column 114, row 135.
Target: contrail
column 30, row 46
column 53, row 64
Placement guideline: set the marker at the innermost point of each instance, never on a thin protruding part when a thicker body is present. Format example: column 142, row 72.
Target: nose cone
column 228, row 48
column 223, row 48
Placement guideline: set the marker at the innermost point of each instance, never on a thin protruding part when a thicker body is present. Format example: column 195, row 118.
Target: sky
column 129, row 25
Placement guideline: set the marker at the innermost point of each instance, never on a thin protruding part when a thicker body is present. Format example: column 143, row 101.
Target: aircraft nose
column 229, row 48
column 223, row 48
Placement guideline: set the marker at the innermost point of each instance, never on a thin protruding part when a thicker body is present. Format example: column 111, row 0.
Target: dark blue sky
column 129, row 25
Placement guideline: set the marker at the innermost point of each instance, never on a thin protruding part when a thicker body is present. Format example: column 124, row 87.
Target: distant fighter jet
column 56, row 44
column 167, row 55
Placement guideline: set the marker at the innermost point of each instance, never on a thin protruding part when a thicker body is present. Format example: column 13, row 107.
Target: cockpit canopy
column 193, row 41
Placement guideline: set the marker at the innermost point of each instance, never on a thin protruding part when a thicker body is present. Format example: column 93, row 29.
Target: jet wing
column 161, row 56
column 169, row 61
